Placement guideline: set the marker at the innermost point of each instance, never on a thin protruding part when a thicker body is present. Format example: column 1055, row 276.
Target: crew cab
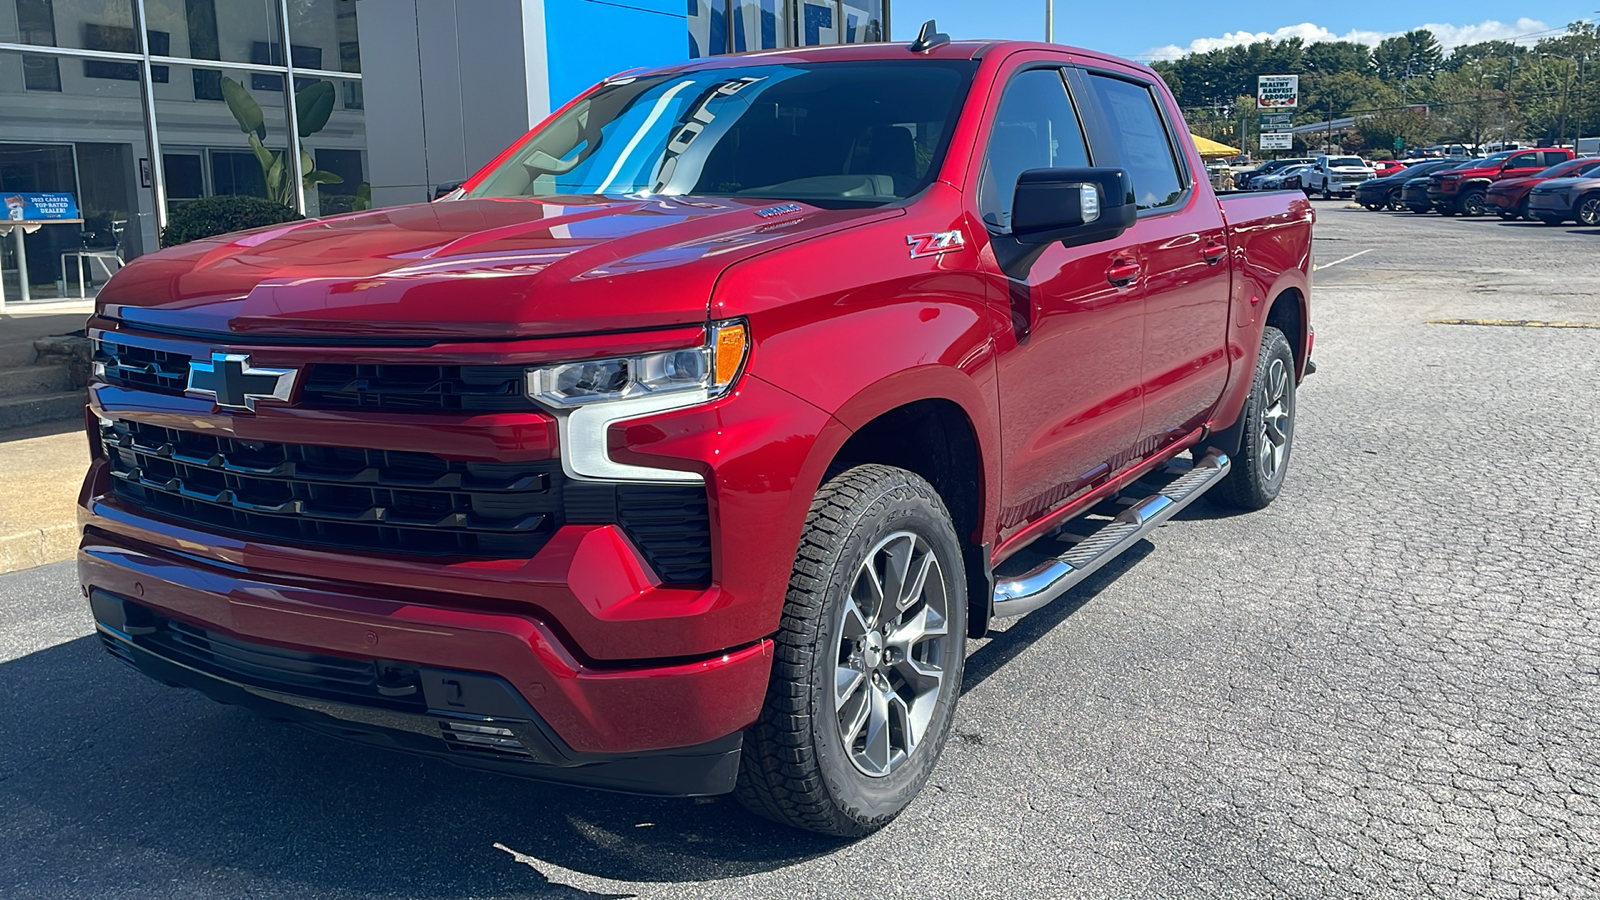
column 1384, row 192
column 1465, row 189
column 682, row 447
column 1509, row 196
column 1336, row 175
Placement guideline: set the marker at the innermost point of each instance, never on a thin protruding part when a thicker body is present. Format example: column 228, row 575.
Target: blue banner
column 41, row 207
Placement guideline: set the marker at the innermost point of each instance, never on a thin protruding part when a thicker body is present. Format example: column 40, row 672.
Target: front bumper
column 1549, row 204
column 572, row 721
column 463, row 717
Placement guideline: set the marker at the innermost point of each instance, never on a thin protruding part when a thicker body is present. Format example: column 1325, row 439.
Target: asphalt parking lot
column 1385, row 685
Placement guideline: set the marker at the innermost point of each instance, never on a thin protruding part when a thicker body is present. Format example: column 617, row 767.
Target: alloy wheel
column 1589, row 210
column 1276, row 424
column 891, row 632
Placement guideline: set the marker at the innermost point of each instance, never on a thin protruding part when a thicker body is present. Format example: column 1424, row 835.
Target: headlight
column 710, row 368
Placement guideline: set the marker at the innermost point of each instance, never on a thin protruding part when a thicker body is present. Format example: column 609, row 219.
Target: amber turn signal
column 729, row 345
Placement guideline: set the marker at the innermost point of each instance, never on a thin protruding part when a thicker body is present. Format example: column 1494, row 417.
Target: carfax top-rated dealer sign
column 1277, row 91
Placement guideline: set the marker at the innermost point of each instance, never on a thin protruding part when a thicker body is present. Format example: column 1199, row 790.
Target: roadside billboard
column 1277, row 140
column 1277, row 91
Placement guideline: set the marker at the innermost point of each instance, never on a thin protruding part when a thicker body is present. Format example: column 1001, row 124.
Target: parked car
column 1384, row 192
column 1286, row 179
column 1509, row 196
column 1383, row 168
column 1245, row 181
column 1560, row 199
column 1465, row 189
column 1336, row 176
column 680, row 450
column 1414, row 189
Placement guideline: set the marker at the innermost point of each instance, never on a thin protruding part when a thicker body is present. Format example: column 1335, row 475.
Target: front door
column 1069, row 365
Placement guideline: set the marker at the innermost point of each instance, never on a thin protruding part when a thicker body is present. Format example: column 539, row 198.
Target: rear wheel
column 1266, row 431
column 1588, row 210
column 1474, row 202
column 868, row 658
column 1393, row 201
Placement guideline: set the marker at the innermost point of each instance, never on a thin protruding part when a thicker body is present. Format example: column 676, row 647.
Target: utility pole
column 1050, row 21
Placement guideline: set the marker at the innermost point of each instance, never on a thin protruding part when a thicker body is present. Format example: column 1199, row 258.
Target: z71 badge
column 934, row 243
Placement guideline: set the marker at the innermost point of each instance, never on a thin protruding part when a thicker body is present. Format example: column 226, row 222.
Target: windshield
column 1340, row 161
column 840, row 134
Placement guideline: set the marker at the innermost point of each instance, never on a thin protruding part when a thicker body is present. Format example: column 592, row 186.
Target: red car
column 1386, row 167
column 1509, row 196
column 683, row 447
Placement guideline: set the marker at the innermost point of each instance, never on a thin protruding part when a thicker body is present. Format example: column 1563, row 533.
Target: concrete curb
column 37, row 546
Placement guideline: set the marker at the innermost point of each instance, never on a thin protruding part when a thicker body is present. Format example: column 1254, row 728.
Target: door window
column 1035, row 128
column 1554, row 158
column 1141, row 141
column 1524, row 161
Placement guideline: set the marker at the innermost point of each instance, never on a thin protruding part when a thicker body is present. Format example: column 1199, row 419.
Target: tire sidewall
column 866, row 799
column 1274, row 346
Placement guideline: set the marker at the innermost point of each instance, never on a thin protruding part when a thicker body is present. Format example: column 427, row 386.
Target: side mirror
column 446, row 189
column 1070, row 206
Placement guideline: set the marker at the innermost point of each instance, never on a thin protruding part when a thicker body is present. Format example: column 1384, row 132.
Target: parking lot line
column 1514, row 323
column 1338, row 261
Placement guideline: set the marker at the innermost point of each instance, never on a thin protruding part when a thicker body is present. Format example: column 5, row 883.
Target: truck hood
column 491, row 268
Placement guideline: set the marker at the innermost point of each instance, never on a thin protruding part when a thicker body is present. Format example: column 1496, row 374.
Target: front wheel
column 1267, row 429
column 1588, row 210
column 1474, row 203
column 868, row 658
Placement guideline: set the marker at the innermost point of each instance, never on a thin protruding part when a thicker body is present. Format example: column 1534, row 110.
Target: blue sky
column 1164, row 27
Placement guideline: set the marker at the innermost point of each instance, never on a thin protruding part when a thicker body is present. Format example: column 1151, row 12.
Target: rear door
column 1183, row 257
column 1069, row 364
column 1523, row 164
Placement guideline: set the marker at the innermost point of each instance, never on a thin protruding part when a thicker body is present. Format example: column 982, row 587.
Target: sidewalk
column 40, row 471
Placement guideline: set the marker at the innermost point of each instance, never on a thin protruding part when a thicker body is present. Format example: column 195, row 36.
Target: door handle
column 1214, row 252
column 1122, row 273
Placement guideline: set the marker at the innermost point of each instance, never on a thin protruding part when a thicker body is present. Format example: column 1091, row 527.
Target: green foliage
column 1406, row 87
column 313, row 106
column 220, row 215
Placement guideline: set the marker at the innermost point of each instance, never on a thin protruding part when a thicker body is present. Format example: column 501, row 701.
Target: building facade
column 139, row 106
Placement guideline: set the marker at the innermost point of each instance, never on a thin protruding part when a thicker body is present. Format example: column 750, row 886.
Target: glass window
column 1141, row 140
column 1035, row 128
column 206, row 140
column 863, row 21
column 232, row 30
column 708, row 28
column 329, row 27
column 1523, row 161
column 88, row 141
column 335, row 149
column 78, row 24
column 1552, row 157
column 760, row 25
column 842, row 134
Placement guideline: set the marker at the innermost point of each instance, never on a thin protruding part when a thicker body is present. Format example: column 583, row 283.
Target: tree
column 1334, row 57
column 1408, row 55
column 1476, row 104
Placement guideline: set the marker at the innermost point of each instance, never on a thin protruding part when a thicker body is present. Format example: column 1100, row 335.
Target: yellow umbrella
column 1210, row 149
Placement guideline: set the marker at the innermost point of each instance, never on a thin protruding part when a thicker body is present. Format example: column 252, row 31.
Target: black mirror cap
column 446, row 189
column 1047, row 206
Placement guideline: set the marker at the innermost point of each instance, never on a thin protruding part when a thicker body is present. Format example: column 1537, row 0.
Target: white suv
column 1337, row 175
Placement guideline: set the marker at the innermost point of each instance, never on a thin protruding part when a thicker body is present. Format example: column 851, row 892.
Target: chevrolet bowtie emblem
column 233, row 383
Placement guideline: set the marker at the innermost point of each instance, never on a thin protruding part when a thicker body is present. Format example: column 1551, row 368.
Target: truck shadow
column 120, row 781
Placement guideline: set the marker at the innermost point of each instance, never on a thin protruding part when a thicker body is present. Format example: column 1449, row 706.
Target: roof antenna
column 928, row 38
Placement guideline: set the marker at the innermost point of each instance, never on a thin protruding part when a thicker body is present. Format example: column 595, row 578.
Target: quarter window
column 1142, row 141
column 1035, row 128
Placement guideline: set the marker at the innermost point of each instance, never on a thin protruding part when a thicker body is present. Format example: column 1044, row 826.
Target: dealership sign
column 1281, row 140
column 1277, row 91
column 31, row 207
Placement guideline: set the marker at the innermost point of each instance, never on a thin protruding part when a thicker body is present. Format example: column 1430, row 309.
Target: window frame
column 1063, row 71
column 1104, row 133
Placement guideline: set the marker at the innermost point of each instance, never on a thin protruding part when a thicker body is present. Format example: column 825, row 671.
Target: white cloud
column 1448, row 35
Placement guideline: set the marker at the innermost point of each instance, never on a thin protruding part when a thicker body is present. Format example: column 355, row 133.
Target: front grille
column 340, row 386
column 412, row 388
column 348, row 498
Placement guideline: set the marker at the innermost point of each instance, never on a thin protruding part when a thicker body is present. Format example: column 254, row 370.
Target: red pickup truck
column 1465, row 189
column 680, row 449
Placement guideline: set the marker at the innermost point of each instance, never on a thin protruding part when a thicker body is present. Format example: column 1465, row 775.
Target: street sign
column 32, row 207
column 1399, row 144
column 1277, row 121
column 1278, row 140
column 1277, row 91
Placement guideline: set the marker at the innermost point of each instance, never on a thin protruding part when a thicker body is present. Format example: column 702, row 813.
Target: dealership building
column 136, row 107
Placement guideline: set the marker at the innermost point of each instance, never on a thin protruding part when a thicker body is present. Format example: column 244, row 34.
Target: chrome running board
column 1045, row 582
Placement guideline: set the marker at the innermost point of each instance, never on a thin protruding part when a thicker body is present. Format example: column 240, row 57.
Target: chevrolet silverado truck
column 1464, row 190
column 682, row 447
column 1334, row 176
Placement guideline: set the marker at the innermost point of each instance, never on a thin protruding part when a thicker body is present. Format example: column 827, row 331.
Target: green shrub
column 219, row 215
